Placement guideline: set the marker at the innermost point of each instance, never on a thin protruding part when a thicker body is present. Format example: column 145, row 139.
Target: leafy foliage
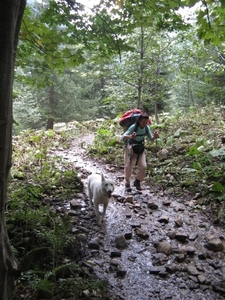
column 40, row 234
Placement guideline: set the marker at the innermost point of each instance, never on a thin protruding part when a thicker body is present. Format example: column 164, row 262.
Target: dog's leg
column 97, row 213
column 104, row 210
column 90, row 196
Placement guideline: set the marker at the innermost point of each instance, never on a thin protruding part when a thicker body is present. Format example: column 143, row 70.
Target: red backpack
column 130, row 117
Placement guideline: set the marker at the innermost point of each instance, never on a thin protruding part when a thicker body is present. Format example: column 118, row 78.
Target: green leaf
column 217, row 187
column 193, row 151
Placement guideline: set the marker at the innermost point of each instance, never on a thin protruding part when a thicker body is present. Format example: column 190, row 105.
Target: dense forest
column 82, row 66
column 80, row 63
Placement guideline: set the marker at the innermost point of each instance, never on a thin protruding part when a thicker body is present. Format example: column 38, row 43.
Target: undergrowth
column 47, row 253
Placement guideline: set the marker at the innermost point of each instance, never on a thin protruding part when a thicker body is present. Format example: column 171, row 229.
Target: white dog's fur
column 100, row 191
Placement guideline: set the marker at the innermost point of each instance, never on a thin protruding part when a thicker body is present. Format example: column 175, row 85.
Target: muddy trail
column 150, row 246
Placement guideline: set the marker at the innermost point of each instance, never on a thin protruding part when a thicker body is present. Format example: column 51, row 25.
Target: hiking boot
column 137, row 184
column 127, row 187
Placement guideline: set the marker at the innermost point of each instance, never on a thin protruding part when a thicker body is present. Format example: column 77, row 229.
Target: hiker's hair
column 143, row 115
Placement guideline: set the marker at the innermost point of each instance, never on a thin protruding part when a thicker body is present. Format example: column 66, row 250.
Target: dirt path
column 150, row 246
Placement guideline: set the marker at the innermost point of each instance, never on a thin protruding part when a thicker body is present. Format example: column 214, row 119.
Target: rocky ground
column 150, row 246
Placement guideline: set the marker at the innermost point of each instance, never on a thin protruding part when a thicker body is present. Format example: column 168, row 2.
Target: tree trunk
column 141, row 68
column 11, row 12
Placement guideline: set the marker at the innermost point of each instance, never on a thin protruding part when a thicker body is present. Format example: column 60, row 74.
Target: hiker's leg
column 129, row 162
column 141, row 167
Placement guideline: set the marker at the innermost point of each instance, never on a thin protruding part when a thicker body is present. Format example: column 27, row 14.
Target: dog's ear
column 103, row 178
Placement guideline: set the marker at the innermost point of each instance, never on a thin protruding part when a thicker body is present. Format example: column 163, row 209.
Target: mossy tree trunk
column 11, row 13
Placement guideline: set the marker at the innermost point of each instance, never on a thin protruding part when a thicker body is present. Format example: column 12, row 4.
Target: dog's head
column 108, row 186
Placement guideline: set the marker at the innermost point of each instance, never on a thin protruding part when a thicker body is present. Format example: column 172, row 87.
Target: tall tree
column 11, row 12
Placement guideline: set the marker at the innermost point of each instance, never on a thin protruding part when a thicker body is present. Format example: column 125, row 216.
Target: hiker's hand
column 156, row 135
column 133, row 135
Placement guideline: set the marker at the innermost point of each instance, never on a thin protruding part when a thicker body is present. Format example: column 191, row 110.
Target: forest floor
column 151, row 244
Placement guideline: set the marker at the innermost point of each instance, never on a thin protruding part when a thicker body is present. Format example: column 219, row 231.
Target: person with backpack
column 134, row 150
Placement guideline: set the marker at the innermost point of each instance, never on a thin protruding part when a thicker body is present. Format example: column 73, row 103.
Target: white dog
column 100, row 191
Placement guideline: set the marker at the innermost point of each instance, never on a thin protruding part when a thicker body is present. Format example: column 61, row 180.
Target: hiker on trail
column 134, row 150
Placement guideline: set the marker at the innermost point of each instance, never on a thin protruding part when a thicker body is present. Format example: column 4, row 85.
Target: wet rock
column 173, row 268
column 193, row 236
column 219, row 286
column 158, row 270
column 181, row 237
column 166, row 202
column 115, row 253
column 193, row 286
column 182, row 250
column 180, row 207
column 178, row 222
column 171, row 234
column 164, row 247
column 128, row 216
column 135, row 224
column 73, row 213
column 75, row 230
column 203, row 255
column 128, row 235
column 215, row 264
column 152, row 205
column 180, row 257
column 159, row 258
column 132, row 258
column 201, row 279
column 128, row 199
column 94, row 244
column 121, row 273
column 142, row 233
column 137, row 206
column 142, row 213
column 83, row 229
column 89, row 265
column 193, row 278
column 190, row 250
column 75, row 204
column 81, row 237
column 192, row 270
column 164, row 219
column 114, row 262
column 214, row 244
column 121, row 242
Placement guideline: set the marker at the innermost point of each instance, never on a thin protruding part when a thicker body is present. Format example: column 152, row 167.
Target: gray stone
column 81, row 237
column 164, row 219
column 142, row 233
column 115, row 253
column 178, row 222
column 192, row 270
column 121, row 273
column 75, row 204
column 171, row 234
column 152, row 205
column 164, row 247
column 94, row 244
column 214, row 244
column 181, row 237
column 121, row 242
